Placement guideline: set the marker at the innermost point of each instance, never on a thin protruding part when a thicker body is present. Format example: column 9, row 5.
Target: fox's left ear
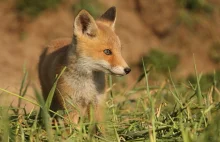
column 109, row 17
column 85, row 24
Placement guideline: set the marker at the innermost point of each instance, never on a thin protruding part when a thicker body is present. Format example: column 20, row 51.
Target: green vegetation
column 92, row 6
column 196, row 5
column 207, row 80
column 190, row 11
column 34, row 7
column 169, row 112
column 187, row 18
column 214, row 52
column 161, row 61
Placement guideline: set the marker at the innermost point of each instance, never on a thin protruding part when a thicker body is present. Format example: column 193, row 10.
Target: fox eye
column 107, row 52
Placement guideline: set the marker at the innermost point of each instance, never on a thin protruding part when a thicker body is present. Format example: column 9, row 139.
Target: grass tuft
column 161, row 61
column 33, row 8
column 196, row 5
column 94, row 7
column 168, row 112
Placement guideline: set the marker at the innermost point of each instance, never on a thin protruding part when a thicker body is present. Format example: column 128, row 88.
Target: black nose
column 127, row 70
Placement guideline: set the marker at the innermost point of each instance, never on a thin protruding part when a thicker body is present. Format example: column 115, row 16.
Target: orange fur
column 82, row 85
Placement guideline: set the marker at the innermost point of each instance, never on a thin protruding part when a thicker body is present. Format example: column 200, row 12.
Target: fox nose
column 127, row 70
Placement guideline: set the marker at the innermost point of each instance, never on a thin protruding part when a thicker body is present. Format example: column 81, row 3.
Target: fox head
column 98, row 46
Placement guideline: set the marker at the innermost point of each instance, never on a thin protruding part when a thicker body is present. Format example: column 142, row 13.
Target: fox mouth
column 116, row 74
column 107, row 68
column 110, row 71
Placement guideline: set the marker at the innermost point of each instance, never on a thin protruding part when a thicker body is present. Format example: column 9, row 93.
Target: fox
column 93, row 52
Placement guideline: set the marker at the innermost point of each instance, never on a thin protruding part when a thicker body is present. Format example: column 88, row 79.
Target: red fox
column 94, row 50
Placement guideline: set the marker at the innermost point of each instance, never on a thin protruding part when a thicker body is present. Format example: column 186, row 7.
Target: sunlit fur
column 105, row 39
column 82, row 85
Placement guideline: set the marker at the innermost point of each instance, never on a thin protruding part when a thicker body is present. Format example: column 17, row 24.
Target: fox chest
column 84, row 89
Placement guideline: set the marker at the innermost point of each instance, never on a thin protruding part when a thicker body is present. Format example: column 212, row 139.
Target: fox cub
column 93, row 50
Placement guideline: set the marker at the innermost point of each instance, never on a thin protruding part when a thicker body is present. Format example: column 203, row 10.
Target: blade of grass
column 16, row 95
column 46, row 108
column 110, row 83
column 151, row 103
column 116, row 134
column 23, row 87
column 199, row 93
column 51, row 93
column 176, row 94
column 4, row 123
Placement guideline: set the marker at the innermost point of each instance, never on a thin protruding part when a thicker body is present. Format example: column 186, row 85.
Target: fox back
column 93, row 50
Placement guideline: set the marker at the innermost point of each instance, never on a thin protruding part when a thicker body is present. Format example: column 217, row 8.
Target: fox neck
column 81, row 71
column 77, row 64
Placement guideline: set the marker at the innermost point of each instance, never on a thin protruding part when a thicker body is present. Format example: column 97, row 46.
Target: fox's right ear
column 84, row 24
column 109, row 17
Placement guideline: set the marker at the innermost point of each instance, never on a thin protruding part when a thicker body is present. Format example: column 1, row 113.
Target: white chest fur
column 87, row 88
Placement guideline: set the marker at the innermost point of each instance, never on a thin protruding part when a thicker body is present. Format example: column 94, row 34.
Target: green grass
column 168, row 112
column 33, row 8
column 207, row 80
column 190, row 12
column 159, row 63
column 196, row 5
column 214, row 52
column 94, row 7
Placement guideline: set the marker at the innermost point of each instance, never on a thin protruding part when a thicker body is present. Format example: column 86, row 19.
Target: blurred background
column 165, row 33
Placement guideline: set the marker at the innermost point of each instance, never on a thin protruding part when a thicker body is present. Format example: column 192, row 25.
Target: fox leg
column 99, row 118
column 96, row 117
column 73, row 117
column 69, row 119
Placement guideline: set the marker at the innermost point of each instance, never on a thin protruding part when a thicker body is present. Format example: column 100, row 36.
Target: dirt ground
column 141, row 26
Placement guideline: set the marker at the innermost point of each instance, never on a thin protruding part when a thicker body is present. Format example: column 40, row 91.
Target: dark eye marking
column 107, row 52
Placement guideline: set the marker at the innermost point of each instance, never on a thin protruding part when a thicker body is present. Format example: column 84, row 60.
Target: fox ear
column 109, row 17
column 85, row 24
